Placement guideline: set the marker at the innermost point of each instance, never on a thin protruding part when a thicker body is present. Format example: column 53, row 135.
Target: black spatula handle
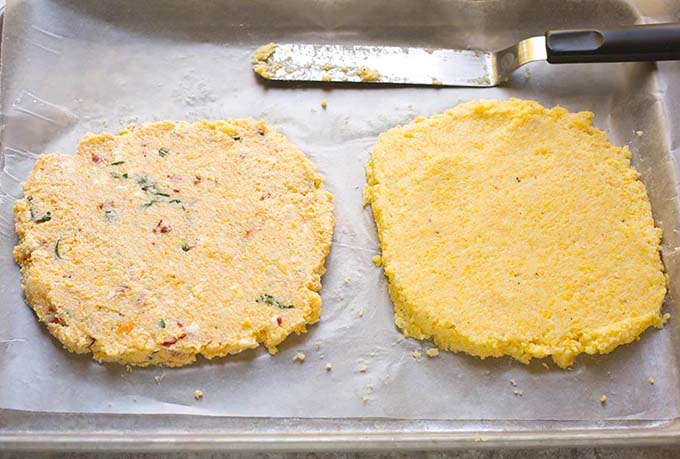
column 653, row 42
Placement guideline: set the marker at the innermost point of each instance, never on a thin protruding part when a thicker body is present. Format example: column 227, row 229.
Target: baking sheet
column 74, row 66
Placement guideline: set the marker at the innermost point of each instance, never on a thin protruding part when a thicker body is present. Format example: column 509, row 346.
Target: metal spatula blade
column 454, row 67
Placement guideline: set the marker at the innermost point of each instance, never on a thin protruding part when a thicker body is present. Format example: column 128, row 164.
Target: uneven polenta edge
column 39, row 290
column 599, row 340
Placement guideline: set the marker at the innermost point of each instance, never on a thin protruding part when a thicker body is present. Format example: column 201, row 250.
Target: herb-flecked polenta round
column 174, row 239
column 510, row 229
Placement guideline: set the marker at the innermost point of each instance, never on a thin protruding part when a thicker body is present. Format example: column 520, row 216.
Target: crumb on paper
column 436, row 81
column 344, row 69
column 363, row 369
column 432, row 352
column 527, row 74
column 486, row 372
column 300, row 357
column 417, row 354
column 517, row 393
column 545, row 365
column 367, row 74
column 128, row 368
column 321, row 356
column 377, row 260
column 324, row 104
column 198, row 394
column 328, row 367
column 361, row 312
column 650, row 380
column 603, row 399
column 347, row 281
column 159, row 378
column 326, row 77
column 513, row 383
column 639, row 133
column 479, row 438
column 317, row 345
column 327, row 67
column 364, row 399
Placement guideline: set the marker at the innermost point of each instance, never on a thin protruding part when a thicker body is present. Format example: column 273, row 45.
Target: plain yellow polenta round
column 510, row 229
column 172, row 240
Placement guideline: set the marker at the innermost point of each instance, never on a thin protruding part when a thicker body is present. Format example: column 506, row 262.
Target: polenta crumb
column 432, row 352
column 363, row 369
column 198, row 394
column 367, row 74
column 417, row 354
column 324, row 104
column 326, row 78
column 329, row 367
column 650, row 380
column 327, row 67
column 639, row 133
column 300, row 357
column 361, row 312
column 317, row 345
column 377, row 260
column 603, row 399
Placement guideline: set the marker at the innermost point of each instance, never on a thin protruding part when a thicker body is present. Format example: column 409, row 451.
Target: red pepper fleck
column 170, row 341
column 162, row 227
column 249, row 233
column 57, row 320
column 96, row 158
column 260, row 131
column 175, row 190
column 265, row 196
column 179, row 324
column 279, row 321
column 197, row 180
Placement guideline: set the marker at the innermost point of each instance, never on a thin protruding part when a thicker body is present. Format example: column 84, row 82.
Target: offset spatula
column 458, row 67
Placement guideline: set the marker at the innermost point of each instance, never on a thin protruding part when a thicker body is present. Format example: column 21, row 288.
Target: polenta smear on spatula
column 508, row 228
column 173, row 240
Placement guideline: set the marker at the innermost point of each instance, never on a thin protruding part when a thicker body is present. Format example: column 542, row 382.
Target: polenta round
column 510, row 229
column 173, row 240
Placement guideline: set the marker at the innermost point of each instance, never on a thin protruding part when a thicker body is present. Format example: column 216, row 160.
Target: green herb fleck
column 125, row 175
column 268, row 299
column 117, row 163
column 162, row 151
column 186, row 247
column 56, row 248
column 161, row 323
column 45, row 218
column 174, row 201
column 29, row 198
column 119, row 176
column 236, row 138
column 150, row 203
column 158, row 193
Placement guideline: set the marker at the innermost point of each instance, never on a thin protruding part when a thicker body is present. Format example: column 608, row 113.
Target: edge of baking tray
column 22, row 430
column 152, row 433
